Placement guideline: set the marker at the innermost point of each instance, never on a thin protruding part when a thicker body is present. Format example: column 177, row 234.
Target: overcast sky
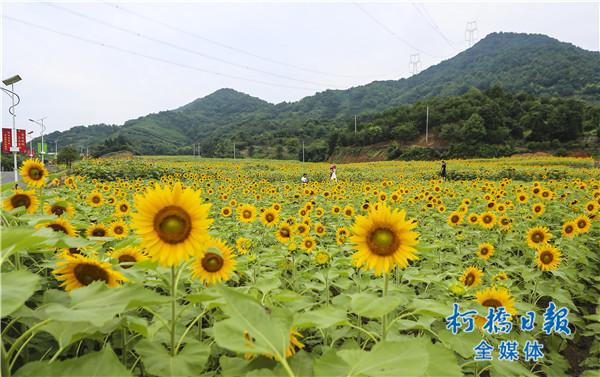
column 275, row 51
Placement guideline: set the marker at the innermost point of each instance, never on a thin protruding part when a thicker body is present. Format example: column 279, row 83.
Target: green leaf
column 330, row 364
column 189, row 361
column 370, row 306
column 461, row 343
column 103, row 363
column 442, row 362
column 321, row 318
column 430, row 307
column 509, row 368
column 98, row 304
column 267, row 332
column 17, row 287
column 18, row 239
column 74, row 331
column 404, row 358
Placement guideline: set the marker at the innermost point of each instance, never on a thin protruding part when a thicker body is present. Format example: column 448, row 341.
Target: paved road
column 8, row 176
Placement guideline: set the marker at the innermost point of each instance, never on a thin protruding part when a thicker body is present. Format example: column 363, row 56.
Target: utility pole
column 414, row 63
column 303, row 151
column 471, row 32
column 355, row 124
column 234, row 150
column 427, row 126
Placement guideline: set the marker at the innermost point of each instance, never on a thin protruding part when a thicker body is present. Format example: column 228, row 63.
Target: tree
column 67, row 155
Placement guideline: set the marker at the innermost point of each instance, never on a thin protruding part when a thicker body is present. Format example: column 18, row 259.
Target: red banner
column 6, row 140
column 22, row 141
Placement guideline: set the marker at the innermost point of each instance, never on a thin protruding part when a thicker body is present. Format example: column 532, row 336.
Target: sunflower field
column 191, row 267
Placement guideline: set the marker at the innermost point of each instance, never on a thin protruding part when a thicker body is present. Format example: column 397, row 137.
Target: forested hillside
column 546, row 85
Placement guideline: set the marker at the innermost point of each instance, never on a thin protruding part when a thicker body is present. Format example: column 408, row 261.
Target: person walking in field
column 443, row 171
column 304, row 179
column 332, row 172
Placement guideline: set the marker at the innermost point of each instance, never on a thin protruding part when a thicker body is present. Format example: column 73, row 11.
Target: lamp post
column 14, row 149
column 40, row 122
column 30, row 141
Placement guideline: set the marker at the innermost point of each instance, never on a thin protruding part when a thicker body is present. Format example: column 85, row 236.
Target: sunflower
column 348, row 211
column 269, row 217
column 505, row 223
column 59, row 225
column 308, row 244
column 569, row 229
column 591, row 207
column 172, row 223
column 59, row 208
column 583, row 224
column 384, row 239
column 243, row 245
column 538, row 209
column 95, row 199
column 455, row 218
column 336, row 210
column 122, row 208
column 487, row 220
column 98, row 230
column 473, row 218
column 246, row 213
column 119, row 229
column 21, row 198
column 77, row 271
column 319, row 229
column 34, row 173
column 485, row 251
column 496, row 297
column 226, row 211
column 322, row 258
column 284, row 233
column 500, row 276
column 302, row 229
column 341, row 234
column 548, row 257
column 214, row 263
column 538, row 236
column 294, row 343
column 127, row 256
column 471, row 277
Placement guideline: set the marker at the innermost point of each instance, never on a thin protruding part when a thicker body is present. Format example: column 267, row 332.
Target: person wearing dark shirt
column 443, row 172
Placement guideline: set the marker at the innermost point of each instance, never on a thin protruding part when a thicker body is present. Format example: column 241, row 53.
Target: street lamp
column 14, row 149
column 30, row 141
column 40, row 122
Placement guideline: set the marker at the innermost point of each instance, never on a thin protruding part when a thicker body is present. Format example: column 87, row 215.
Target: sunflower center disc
column 126, row 259
column 270, row 217
column 212, row 262
column 173, row 224
column 118, row 230
column 492, row 302
column 99, row 233
column 484, row 251
column 123, row 208
column 581, row 224
column 284, row 233
column 89, row 273
column 57, row 210
column 20, row 200
column 547, row 257
column 454, row 219
column 96, row 199
column 35, row 173
column 247, row 214
column 469, row 280
column 57, row 228
column 537, row 237
column 383, row 242
column 569, row 229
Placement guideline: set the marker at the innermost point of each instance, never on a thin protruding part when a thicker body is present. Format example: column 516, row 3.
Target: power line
column 433, row 24
column 390, row 31
column 185, row 49
column 233, row 48
column 150, row 57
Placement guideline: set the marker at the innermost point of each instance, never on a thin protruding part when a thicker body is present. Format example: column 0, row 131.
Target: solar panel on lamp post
column 13, row 148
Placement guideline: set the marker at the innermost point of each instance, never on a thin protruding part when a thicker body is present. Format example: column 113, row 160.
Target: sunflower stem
column 384, row 317
column 173, row 299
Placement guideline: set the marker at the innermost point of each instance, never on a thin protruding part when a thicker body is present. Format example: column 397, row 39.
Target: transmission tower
column 471, row 32
column 414, row 64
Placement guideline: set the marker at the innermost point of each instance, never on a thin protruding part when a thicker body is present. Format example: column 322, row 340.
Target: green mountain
column 530, row 63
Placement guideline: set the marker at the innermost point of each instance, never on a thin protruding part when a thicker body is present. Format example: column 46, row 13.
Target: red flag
column 21, row 141
column 6, row 140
